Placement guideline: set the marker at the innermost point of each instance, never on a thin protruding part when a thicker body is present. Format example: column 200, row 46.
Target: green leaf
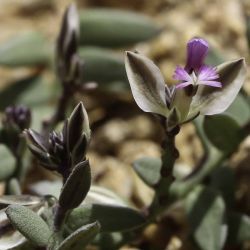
column 223, row 131
column 210, row 101
column 239, row 110
column 205, row 210
column 239, row 228
column 147, row 84
column 9, row 237
column 148, row 169
column 30, row 91
column 7, row 163
column 222, row 179
column 28, row 223
column 28, row 49
column 111, row 217
column 112, row 28
column 109, row 64
column 214, row 57
column 13, row 187
column 81, row 237
column 76, row 186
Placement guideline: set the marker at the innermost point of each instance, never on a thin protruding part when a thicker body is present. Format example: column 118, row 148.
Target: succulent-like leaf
column 102, row 27
column 9, row 237
column 76, row 187
column 148, row 169
column 147, row 83
column 239, row 228
column 28, row 223
column 80, row 238
column 7, row 163
column 205, row 209
column 110, row 66
column 223, row 131
column 14, row 187
column 209, row 100
column 96, row 195
column 223, row 180
column 28, row 49
column 111, row 217
column 239, row 110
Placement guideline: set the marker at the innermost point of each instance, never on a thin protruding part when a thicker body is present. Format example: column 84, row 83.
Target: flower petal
column 210, row 101
column 211, row 83
column 147, row 83
column 182, row 85
column 197, row 50
column 181, row 74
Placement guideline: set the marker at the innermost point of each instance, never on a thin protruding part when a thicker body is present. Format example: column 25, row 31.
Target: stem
column 169, row 156
column 61, row 108
column 59, row 217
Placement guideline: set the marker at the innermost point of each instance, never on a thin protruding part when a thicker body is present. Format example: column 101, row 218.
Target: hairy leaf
column 209, row 100
column 7, row 163
column 148, row 169
column 80, row 238
column 147, row 83
column 110, row 27
column 205, row 210
column 76, row 187
column 111, row 217
column 28, row 223
column 223, row 131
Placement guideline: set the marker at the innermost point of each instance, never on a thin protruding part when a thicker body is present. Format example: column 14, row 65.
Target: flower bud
column 78, row 133
column 17, row 117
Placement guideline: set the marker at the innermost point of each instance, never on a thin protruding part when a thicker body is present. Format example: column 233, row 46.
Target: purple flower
column 195, row 71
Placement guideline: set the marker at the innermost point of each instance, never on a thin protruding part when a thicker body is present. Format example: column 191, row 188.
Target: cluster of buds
column 69, row 64
column 201, row 89
column 15, row 120
column 65, row 152
column 17, row 117
column 62, row 151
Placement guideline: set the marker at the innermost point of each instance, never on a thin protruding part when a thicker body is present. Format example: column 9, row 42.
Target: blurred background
column 121, row 132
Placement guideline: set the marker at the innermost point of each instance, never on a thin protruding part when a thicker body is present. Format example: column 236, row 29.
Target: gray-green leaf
column 29, row 224
column 239, row 228
column 28, row 49
column 80, row 238
column 9, row 237
column 209, row 100
column 223, row 131
column 112, row 218
column 7, row 163
column 148, row 169
column 205, row 210
column 109, row 64
column 110, row 27
column 76, row 187
column 147, row 83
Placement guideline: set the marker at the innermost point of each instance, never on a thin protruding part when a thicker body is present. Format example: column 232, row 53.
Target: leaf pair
column 177, row 105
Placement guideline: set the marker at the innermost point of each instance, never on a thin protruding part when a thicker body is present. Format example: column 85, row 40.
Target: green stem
column 169, row 156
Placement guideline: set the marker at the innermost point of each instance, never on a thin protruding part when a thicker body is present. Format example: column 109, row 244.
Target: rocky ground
column 118, row 141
